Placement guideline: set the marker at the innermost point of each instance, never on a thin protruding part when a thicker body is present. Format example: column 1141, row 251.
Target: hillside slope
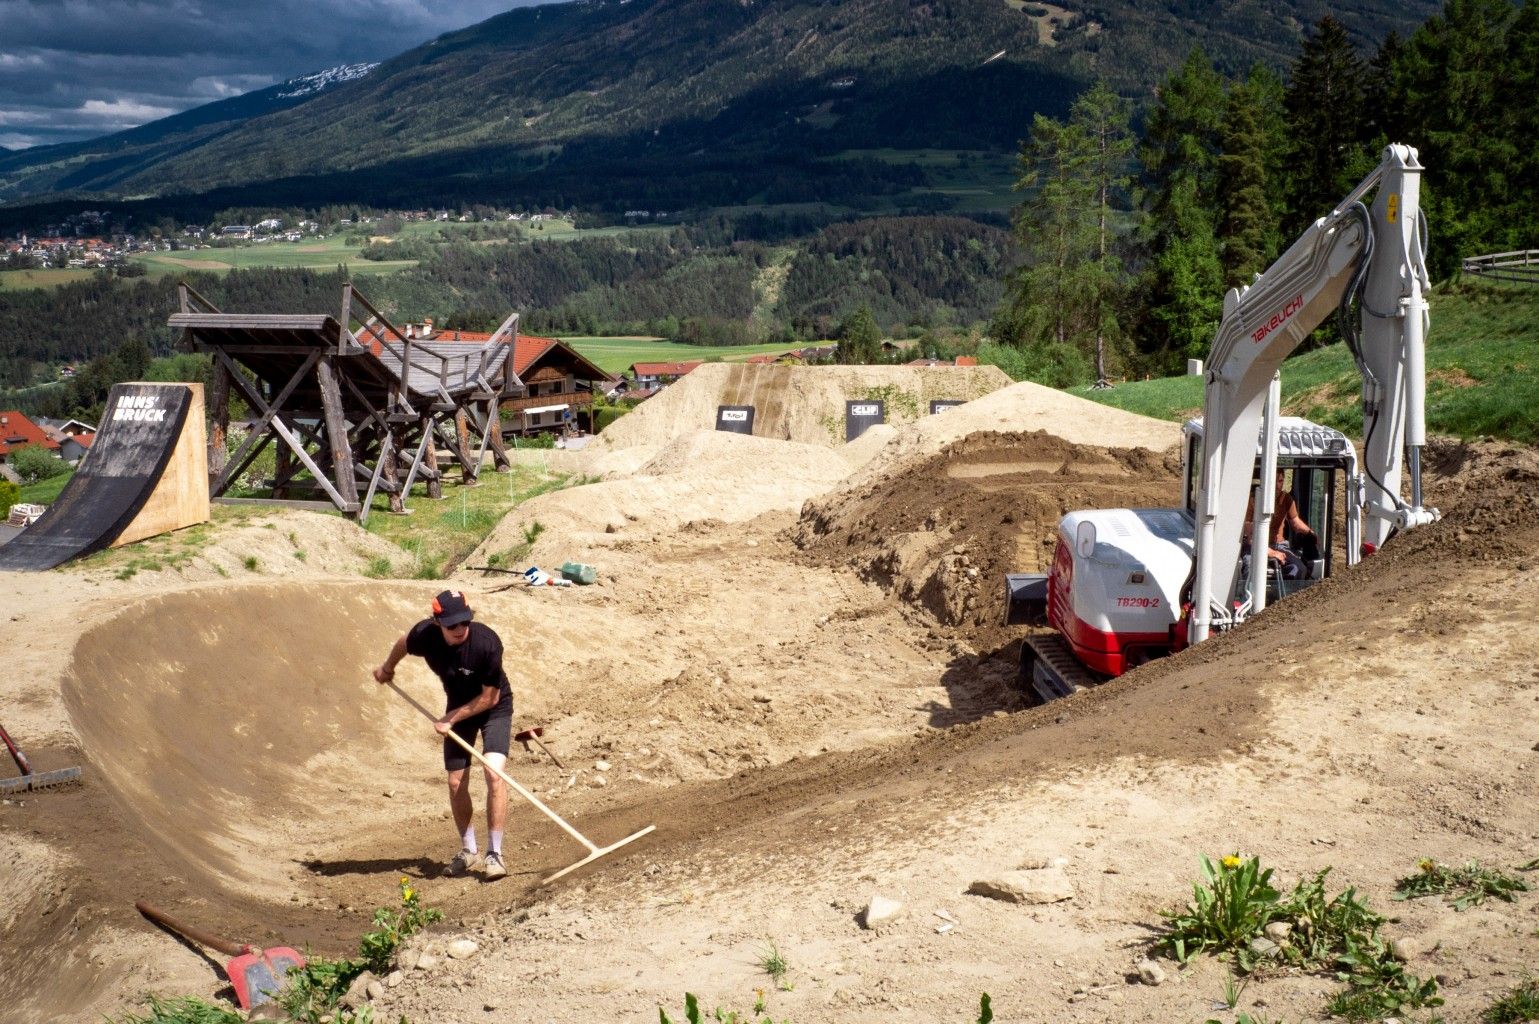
column 588, row 100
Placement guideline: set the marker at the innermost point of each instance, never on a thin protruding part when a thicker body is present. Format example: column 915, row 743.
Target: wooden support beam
column 462, row 449
column 336, row 430
column 435, row 481
column 219, row 417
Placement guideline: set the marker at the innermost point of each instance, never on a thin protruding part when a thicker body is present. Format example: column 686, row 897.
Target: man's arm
column 1295, row 520
column 386, row 671
column 485, row 702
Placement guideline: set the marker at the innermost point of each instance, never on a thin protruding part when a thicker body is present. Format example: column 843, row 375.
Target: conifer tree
column 1325, row 123
column 1246, row 221
column 1066, row 295
column 1184, row 281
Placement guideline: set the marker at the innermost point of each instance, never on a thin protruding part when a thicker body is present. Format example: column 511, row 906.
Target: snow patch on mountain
column 307, row 84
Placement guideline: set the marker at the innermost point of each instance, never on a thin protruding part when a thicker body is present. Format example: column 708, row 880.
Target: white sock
column 468, row 839
column 496, row 841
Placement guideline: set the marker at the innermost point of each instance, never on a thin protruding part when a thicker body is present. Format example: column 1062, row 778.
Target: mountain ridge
column 674, row 103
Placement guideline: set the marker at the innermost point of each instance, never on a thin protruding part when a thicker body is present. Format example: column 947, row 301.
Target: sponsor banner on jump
column 942, row 404
column 862, row 416
column 140, row 409
column 735, row 419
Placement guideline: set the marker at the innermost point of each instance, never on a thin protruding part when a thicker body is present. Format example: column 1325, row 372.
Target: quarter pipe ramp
column 146, row 473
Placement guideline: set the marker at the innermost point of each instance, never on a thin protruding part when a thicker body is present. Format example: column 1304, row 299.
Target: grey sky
column 75, row 69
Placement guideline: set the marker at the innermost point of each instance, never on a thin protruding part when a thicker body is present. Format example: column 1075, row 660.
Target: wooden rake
column 594, row 851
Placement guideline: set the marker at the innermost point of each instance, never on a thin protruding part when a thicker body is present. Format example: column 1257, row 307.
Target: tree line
column 1130, row 236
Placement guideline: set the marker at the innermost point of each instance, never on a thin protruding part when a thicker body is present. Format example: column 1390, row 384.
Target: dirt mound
column 1018, row 408
column 941, row 532
column 243, row 541
column 711, row 453
column 705, row 475
column 796, row 403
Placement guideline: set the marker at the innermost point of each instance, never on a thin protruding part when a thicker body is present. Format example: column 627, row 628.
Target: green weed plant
column 1519, row 1005
column 315, row 989
column 1230, row 906
column 1468, row 886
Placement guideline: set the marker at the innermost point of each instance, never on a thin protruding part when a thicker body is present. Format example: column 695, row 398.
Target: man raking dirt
column 467, row 657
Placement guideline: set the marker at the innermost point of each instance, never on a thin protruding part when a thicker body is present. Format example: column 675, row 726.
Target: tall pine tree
column 1184, row 280
column 1063, row 302
column 1246, row 221
column 1325, row 123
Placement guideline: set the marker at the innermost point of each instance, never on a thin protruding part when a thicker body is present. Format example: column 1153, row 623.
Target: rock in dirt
column 1044, row 885
column 426, row 962
column 881, row 912
column 462, row 949
column 1150, row 973
column 1406, row 947
column 394, row 978
column 357, row 994
column 1278, row 931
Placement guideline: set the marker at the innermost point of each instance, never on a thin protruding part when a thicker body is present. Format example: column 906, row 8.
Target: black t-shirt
column 464, row 669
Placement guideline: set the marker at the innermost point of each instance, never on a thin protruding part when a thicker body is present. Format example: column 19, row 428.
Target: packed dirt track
column 807, row 690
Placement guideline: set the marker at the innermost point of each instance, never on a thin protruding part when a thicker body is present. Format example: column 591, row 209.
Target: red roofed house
column 561, row 385
column 656, row 375
column 16, row 431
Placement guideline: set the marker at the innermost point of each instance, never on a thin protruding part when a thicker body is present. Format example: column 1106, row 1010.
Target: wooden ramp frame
column 347, row 401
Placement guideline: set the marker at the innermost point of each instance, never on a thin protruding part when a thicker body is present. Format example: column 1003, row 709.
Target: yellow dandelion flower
column 1232, row 861
column 1427, row 865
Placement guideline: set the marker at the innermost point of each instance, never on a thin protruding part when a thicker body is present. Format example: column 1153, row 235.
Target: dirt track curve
column 812, row 704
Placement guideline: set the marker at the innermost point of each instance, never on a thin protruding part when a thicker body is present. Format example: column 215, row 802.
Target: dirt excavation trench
column 810, row 696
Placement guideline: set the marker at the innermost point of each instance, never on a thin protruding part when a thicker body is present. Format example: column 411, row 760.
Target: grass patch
column 1468, row 886
column 771, row 962
column 615, row 354
column 1521, row 1004
column 20, row 280
column 1482, row 372
column 438, row 535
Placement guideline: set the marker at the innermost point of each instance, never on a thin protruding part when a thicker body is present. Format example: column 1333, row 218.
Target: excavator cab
column 1319, row 469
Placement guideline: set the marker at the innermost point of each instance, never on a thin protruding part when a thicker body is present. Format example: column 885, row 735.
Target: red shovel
column 255, row 974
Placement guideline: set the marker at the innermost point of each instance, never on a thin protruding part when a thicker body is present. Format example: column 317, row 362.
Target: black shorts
column 496, row 729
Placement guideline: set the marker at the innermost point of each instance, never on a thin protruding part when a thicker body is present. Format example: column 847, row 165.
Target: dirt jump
column 793, row 664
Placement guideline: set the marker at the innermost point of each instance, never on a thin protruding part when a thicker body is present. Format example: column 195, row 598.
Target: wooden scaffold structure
column 347, row 401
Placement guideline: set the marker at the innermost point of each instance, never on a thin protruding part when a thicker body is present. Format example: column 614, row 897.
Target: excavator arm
column 1374, row 259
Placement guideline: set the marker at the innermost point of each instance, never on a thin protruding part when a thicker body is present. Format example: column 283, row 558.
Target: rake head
column 40, row 780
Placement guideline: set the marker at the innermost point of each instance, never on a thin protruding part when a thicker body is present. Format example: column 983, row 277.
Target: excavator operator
column 1285, row 516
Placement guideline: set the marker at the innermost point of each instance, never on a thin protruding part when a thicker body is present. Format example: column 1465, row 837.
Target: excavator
column 1129, row 585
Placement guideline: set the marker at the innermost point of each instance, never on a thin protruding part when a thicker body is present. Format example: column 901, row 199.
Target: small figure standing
column 467, row 658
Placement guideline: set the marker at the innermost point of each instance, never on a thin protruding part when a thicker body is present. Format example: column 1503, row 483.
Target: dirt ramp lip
column 237, row 725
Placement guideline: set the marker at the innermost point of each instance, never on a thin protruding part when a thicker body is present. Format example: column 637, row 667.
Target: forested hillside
column 668, row 104
column 1130, row 239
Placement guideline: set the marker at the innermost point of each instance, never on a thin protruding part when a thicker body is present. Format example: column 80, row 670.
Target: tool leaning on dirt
column 594, row 851
column 256, row 974
column 30, row 780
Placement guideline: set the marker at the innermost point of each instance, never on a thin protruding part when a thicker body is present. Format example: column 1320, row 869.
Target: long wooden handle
column 196, row 934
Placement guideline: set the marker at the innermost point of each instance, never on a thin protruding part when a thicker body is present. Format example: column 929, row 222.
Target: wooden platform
column 348, row 401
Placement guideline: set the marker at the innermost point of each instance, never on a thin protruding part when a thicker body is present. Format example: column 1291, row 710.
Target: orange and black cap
column 451, row 609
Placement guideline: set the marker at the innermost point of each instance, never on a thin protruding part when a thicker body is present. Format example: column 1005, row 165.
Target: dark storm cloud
column 73, row 69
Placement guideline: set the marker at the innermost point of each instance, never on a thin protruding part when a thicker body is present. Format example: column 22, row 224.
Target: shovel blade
column 258, row 977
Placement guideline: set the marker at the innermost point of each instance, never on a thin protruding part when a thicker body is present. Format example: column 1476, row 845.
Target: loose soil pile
column 813, row 707
column 941, row 532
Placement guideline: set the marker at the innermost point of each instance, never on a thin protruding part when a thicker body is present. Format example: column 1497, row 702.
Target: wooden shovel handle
column 196, row 934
